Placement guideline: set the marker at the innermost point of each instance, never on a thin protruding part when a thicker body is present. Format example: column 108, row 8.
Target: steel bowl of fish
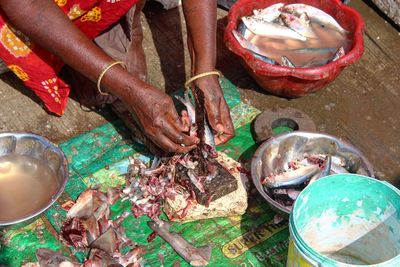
column 33, row 174
column 285, row 164
column 293, row 48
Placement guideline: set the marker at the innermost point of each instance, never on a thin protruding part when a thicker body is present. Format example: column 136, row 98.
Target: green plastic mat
column 100, row 157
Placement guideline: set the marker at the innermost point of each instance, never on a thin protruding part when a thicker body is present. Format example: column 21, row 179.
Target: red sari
column 36, row 67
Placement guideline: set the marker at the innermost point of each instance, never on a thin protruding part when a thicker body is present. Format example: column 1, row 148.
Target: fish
column 269, row 29
column 270, row 13
column 50, row 258
column 194, row 256
column 252, row 48
column 195, row 181
column 293, row 193
column 286, row 62
column 336, row 168
column 325, row 172
column 301, row 25
column 314, row 13
column 208, row 137
column 291, row 178
column 352, row 162
column 339, row 53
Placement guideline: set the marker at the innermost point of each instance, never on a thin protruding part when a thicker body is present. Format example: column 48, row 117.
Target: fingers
column 178, row 137
column 173, row 116
column 167, row 145
column 226, row 130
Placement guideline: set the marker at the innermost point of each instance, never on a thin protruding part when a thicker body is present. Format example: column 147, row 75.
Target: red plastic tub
column 296, row 82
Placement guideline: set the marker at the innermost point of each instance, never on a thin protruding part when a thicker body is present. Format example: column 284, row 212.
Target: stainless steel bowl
column 40, row 148
column 274, row 153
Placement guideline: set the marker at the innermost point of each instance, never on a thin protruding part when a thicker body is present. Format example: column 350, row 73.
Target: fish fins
column 205, row 252
column 304, row 18
column 339, row 53
column 286, row 62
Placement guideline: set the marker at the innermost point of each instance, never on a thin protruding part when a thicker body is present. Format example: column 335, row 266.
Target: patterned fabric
column 36, row 67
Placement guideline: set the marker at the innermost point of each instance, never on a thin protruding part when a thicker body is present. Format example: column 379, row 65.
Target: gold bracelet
column 201, row 75
column 104, row 72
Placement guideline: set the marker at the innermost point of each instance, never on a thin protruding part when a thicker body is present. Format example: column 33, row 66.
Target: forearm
column 201, row 21
column 45, row 24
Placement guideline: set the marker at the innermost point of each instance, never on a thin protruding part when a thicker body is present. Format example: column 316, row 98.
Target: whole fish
column 252, row 48
column 286, row 62
column 207, row 135
column 314, row 13
column 300, row 25
column 194, row 256
column 269, row 29
column 291, row 178
column 270, row 13
column 317, row 51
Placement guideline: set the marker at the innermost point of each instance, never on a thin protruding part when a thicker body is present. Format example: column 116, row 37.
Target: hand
column 156, row 113
column 217, row 109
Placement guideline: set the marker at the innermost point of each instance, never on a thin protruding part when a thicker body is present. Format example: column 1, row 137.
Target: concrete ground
column 361, row 105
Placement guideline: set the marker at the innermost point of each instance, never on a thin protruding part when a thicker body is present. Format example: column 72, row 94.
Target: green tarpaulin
column 100, row 157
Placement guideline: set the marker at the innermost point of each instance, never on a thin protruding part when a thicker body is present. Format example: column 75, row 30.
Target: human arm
column 45, row 24
column 201, row 21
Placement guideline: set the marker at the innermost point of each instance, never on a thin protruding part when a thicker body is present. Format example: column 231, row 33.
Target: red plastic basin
column 296, row 82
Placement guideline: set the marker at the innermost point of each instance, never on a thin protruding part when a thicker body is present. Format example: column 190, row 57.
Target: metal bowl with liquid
column 277, row 151
column 33, row 174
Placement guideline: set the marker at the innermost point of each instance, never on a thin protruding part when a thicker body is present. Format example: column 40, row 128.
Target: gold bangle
column 104, row 72
column 201, row 75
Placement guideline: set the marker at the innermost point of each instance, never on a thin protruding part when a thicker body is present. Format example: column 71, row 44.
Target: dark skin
column 47, row 25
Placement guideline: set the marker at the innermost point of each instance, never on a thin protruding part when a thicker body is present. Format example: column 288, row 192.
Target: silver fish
column 291, row 178
column 286, row 62
column 325, row 172
column 314, row 13
column 194, row 256
column 336, row 168
column 269, row 29
column 251, row 47
column 189, row 106
column 209, row 137
column 270, row 13
column 300, row 25
column 317, row 51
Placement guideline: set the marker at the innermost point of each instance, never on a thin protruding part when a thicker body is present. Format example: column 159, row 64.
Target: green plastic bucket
column 346, row 220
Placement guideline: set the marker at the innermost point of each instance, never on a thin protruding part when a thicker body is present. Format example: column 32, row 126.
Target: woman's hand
column 156, row 113
column 217, row 109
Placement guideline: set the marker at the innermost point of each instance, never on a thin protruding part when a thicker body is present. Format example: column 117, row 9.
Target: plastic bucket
column 346, row 220
column 295, row 82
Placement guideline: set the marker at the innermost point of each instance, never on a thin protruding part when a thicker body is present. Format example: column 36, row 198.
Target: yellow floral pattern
column 19, row 72
column 75, row 12
column 93, row 15
column 15, row 41
column 61, row 2
column 51, row 86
